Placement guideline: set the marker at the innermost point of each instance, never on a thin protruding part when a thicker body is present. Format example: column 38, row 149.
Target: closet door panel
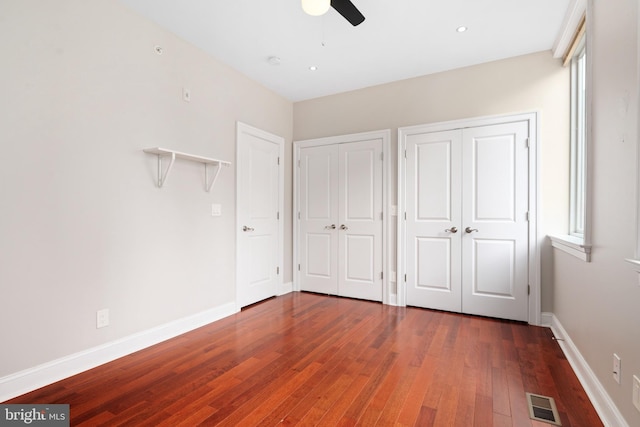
column 495, row 203
column 433, row 220
column 318, row 219
column 360, row 218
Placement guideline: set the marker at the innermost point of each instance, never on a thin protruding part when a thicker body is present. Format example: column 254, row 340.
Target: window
column 578, row 242
column 578, row 140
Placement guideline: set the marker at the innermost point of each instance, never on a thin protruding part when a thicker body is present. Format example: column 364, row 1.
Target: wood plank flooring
column 305, row 359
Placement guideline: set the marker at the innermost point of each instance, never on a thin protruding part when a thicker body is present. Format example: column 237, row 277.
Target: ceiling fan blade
column 348, row 11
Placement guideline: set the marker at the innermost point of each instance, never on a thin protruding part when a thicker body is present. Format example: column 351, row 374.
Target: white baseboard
column 604, row 406
column 39, row 376
column 285, row 288
column 546, row 319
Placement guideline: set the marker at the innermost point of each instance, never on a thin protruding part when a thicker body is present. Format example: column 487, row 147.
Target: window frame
column 578, row 240
column 577, row 204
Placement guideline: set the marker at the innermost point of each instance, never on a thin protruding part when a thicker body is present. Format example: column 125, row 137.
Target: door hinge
column 278, row 270
column 527, row 142
column 382, row 157
column 382, row 274
column 278, row 160
column 298, row 267
column 405, row 277
column 381, row 215
column 527, row 215
column 277, row 215
column 528, row 289
column 405, row 216
column 298, row 215
column 298, row 163
column 405, row 154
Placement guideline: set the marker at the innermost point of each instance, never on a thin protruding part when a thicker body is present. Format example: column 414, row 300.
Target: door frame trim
column 535, row 240
column 385, row 136
column 276, row 139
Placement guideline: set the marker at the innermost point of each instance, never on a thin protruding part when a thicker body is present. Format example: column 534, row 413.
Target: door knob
column 470, row 230
column 344, row 227
column 451, row 230
column 330, row 227
column 245, row 228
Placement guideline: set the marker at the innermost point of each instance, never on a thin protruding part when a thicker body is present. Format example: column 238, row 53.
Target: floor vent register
column 543, row 408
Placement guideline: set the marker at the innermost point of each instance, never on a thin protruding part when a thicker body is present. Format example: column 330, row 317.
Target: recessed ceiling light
column 461, row 29
column 313, row 68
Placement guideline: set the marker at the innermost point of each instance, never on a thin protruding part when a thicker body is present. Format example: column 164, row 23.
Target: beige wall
column 528, row 83
column 82, row 224
column 83, row 227
column 598, row 303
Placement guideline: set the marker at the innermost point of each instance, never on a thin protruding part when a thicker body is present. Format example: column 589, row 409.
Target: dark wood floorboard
column 305, row 359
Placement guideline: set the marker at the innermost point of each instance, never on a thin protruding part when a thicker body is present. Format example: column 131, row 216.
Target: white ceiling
column 399, row 39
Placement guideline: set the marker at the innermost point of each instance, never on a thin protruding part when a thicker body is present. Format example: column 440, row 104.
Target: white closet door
column 467, row 195
column 433, row 206
column 495, row 195
column 318, row 243
column 360, row 219
column 340, row 247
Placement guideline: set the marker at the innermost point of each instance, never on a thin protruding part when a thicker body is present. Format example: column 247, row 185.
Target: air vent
column 543, row 408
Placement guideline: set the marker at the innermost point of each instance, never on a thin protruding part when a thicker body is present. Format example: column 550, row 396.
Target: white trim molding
column 546, row 319
column 607, row 410
column 572, row 245
column 285, row 288
column 22, row 382
column 575, row 12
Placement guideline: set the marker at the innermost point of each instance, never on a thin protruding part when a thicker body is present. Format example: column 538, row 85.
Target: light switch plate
column 616, row 368
column 102, row 318
column 636, row 392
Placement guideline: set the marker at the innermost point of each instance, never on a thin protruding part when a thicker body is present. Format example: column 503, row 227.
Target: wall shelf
column 173, row 155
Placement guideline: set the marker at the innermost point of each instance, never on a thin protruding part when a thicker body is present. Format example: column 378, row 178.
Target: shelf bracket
column 162, row 178
column 208, row 184
column 207, row 161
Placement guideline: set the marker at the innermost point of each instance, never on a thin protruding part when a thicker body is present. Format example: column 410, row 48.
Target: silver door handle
column 451, row 230
column 344, row 227
column 245, row 228
column 470, row 230
column 330, row 227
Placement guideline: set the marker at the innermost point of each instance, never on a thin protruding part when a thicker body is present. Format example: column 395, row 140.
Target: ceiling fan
column 343, row 7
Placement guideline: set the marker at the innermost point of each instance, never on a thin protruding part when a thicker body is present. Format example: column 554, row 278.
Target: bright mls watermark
column 34, row 415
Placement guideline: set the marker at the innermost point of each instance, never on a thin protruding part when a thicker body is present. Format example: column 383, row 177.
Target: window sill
column 573, row 246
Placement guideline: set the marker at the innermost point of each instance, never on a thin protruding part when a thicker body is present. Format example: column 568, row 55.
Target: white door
column 466, row 228
column 341, row 219
column 434, row 218
column 495, row 194
column 258, row 215
column 360, row 219
column 319, row 219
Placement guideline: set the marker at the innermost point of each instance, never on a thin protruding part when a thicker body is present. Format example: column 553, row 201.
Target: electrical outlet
column 102, row 318
column 616, row 368
column 636, row 392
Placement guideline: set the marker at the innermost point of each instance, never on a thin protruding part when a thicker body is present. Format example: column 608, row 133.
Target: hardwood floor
column 305, row 359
